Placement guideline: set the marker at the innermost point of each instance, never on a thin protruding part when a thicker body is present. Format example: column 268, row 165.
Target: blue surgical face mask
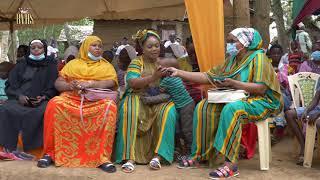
column 94, row 58
column 315, row 56
column 37, row 58
column 232, row 49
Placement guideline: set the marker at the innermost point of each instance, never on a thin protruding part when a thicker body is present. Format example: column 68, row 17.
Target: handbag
column 223, row 95
column 96, row 94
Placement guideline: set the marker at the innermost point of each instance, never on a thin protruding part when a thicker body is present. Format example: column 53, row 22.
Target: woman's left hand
column 230, row 83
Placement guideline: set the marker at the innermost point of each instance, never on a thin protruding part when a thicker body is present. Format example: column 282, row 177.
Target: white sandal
column 128, row 167
column 155, row 164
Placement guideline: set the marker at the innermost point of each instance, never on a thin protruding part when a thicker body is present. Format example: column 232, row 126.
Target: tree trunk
column 241, row 16
column 277, row 10
column 67, row 33
column 261, row 20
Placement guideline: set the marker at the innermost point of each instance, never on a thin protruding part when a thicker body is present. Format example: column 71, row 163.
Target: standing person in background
column 124, row 43
column 172, row 40
column 115, row 47
column 192, row 55
column 53, row 48
column 21, row 52
column 304, row 40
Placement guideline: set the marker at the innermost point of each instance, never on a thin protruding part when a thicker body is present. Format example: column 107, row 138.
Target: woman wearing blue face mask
column 218, row 127
column 29, row 87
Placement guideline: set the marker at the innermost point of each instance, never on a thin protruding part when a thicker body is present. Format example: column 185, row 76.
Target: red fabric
column 194, row 91
column 309, row 7
column 249, row 139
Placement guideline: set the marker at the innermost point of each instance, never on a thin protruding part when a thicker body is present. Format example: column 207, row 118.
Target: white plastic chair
column 264, row 142
column 303, row 87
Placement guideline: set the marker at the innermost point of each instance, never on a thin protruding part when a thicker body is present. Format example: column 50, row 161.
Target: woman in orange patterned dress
column 69, row 141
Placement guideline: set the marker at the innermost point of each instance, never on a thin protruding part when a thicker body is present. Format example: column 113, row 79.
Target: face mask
column 37, row 58
column 94, row 58
column 232, row 49
column 315, row 56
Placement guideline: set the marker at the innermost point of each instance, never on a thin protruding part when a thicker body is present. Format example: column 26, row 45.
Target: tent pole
column 13, row 60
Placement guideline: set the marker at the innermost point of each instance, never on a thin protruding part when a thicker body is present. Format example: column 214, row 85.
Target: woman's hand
column 173, row 72
column 229, row 83
column 23, row 100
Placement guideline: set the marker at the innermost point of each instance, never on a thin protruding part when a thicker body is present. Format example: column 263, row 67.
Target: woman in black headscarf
column 29, row 87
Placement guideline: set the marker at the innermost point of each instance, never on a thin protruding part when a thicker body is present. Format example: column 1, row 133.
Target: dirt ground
column 282, row 167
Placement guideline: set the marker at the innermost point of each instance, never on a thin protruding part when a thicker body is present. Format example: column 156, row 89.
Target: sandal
column 188, row 164
column 155, row 164
column 7, row 156
column 128, row 167
column 224, row 173
column 108, row 167
column 45, row 161
column 300, row 160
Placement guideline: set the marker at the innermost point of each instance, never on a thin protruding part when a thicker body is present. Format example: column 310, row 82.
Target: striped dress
column 217, row 127
column 144, row 130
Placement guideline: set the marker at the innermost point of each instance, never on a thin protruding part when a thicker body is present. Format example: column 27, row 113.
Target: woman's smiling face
column 151, row 48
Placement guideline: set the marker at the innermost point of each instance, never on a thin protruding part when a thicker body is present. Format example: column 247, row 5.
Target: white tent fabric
column 47, row 12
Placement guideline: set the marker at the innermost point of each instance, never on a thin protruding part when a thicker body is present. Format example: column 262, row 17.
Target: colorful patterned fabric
column 73, row 143
column 218, row 126
column 174, row 86
column 144, row 130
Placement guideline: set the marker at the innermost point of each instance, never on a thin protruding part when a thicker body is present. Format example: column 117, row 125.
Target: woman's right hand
column 23, row 100
column 171, row 71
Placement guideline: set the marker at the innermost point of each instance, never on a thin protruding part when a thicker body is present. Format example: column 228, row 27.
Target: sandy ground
column 282, row 167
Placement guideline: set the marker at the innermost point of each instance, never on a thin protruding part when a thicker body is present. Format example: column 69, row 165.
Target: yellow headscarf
column 84, row 69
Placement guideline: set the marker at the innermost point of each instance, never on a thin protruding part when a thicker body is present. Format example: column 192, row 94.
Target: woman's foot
column 128, row 167
column 155, row 163
column 108, row 167
column 228, row 170
column 45, row 161
column 188, row 164
column 300, row 160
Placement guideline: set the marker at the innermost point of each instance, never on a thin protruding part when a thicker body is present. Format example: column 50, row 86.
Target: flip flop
column 108, row 167
column 128, row 167
column 155, row 164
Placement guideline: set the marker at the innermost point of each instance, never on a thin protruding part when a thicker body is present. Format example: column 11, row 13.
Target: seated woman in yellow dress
column 74, row 139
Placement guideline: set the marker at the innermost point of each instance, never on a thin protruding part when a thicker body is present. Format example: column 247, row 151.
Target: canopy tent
column 206, row 18
column 47, row 12
column 304, row 8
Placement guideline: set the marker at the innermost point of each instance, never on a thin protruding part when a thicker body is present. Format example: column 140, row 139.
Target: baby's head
column 5, row 68
column 168, row 62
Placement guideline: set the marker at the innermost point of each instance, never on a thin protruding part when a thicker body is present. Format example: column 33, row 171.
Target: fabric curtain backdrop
column 303, row 8
column 207, row 26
